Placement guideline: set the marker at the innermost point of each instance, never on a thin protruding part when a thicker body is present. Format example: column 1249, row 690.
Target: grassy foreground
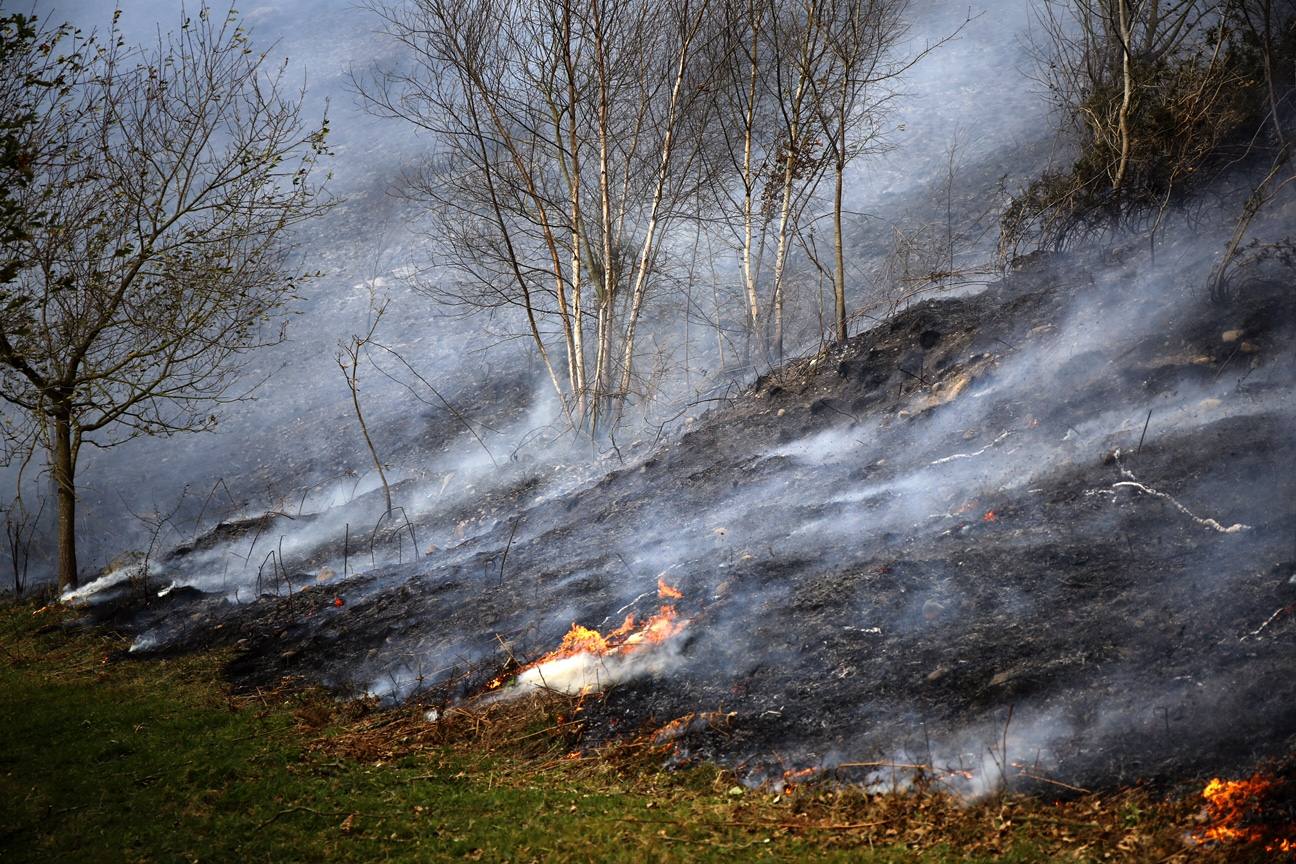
column 121, row 760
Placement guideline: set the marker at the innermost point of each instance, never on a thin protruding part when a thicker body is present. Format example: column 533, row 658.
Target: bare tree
column 745, row 124
column 1162, row 97
column 567, row 140
column 851, row 103
column 348, row 361
column 1098, row 55
column 20, row 526
column 155, row 255
column 1267, row 26
column 802, row 55
column 1153, row 92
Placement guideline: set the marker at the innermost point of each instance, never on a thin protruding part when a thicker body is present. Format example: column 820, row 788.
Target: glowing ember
column 990, row 516
column 791, row 777
column 581, row 644
column 1231, row 813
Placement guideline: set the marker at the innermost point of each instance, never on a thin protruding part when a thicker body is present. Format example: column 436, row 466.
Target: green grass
column 122, row 760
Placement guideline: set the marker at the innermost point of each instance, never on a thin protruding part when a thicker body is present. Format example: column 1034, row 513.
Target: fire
column 1231, row 811
column 631, row 636
column 793, row 777
column 990, row 516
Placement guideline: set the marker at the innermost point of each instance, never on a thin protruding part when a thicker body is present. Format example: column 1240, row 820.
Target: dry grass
column 157, row 760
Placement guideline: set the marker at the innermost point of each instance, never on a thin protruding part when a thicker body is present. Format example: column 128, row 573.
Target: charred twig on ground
column 219, row 484
column 1132, row 482
column 995, row 443
column 919, row 378
column 507, row 547
column 1139, row 449
column 261, row 524
column 1001, row 761
column 1227, row 360
column 373, row 535
column 1278, row 613
column 284, row 570
column 1021, row 772
column 269, row 556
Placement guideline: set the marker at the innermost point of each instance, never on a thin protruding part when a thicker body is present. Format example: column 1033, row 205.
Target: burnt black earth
column 1053, row 518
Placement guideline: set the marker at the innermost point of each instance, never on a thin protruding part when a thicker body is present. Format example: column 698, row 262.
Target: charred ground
column 911, row 548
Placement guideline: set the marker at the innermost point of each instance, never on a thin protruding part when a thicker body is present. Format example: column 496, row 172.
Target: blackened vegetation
column 949, row 569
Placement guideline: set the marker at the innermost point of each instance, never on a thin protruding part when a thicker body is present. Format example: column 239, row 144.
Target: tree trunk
column 839, row 255
column 64, row 471
column 602, row 376
column 780, row 255
column 749, row 190
column 646, row 251
column 1127, row 95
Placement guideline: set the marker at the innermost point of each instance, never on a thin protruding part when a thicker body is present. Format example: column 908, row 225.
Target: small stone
column 1002, row 678
column 936, row 674
column 932, row 609
column 1230, row 335
column 969, row 434
column 1248, row 347
column 781, row 412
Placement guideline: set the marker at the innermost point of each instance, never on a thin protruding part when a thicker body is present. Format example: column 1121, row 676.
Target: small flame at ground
column 580, row 644
column 667, row 592
column 1232, row 807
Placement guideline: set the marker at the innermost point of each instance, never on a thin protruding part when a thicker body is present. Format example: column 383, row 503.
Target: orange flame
column 628, row 638
column 792, row 778
column 990, row 516
column 1230, row 809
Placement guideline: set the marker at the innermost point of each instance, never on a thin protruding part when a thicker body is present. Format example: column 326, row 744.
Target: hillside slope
column 1056, row 518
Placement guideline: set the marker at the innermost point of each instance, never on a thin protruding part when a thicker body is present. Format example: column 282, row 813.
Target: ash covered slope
column 884, row 548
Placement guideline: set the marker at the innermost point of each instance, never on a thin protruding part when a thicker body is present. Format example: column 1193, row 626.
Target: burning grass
column 115, row 759
column 587, row 661
column 1256, row 811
